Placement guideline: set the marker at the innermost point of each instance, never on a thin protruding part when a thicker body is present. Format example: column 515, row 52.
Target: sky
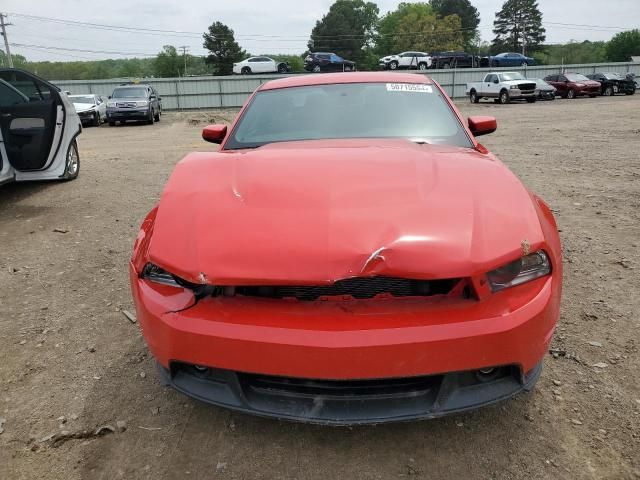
column 261, row 26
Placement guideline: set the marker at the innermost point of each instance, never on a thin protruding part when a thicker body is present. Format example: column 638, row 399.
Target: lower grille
column 339, row 388
column 359, row 288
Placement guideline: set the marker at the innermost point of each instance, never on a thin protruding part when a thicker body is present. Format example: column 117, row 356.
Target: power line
column 107, row 52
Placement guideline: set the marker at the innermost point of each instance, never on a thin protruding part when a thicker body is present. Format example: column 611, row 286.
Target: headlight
column 579, row 84
column 155, row 274
column 142, row 103
column 521, row 271
column 111, row 104
column 514, row 87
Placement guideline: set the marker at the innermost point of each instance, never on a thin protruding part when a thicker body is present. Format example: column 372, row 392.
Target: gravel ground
column 72, row 362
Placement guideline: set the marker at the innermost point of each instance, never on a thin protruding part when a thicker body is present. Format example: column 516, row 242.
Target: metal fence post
column 453, row 83
column 175, row 83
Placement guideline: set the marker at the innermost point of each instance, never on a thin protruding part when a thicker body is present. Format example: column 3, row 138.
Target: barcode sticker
column 409, row 87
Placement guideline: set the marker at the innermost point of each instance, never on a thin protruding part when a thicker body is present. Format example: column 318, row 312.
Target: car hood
column 319, row 211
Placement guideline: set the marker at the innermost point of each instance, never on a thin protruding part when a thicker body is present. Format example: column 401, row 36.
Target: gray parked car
column 545, row 91
column 134, row 102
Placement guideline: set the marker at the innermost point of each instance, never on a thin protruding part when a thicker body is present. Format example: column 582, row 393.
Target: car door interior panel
column 30, row 129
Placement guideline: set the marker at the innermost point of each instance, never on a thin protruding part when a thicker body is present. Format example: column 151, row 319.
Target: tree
column 416, row 26
column 624, row 45
column 347, row 29
column 469, row 17
column 429, row 33
column 167, row 63
column 223, row 48
column 518, row 26
column 388, row 25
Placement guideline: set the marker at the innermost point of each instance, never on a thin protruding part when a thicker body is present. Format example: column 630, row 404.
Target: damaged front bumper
column 349, row 402
column 243, row 346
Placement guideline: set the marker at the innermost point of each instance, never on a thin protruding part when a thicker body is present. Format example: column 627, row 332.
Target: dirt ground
column 71, row 361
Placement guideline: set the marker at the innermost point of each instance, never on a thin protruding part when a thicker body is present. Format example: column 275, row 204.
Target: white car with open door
column 260, row 65
column 38, row 130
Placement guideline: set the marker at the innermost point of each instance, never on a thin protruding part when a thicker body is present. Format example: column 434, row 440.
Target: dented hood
column 319, row 211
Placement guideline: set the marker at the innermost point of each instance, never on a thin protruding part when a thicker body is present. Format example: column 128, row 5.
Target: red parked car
column 572, row 85
column 351, row 254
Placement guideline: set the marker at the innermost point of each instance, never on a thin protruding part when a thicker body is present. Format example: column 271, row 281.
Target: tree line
column 355, row 29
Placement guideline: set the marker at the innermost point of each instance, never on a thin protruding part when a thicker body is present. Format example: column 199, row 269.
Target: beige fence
column 220, row 92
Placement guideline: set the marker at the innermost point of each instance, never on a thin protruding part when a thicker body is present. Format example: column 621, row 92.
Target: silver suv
column 134, row 102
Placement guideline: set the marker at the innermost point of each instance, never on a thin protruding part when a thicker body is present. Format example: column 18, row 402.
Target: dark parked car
column 454, row 60
column 508, row 60
column 572, row 85
column 612, row 83
column 327, row 62
column 134, row 102
column 545, row 91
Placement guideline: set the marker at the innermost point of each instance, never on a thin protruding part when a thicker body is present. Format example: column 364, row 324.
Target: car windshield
column 576, row 77
column 82, row 98
column 416, row 112
column 511, row 76
column 612, row 76
column 129, row 92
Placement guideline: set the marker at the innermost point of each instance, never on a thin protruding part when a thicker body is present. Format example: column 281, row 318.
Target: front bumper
column 349, row 402
column 348, row 341
column 128, row 114
column 547, row 94
column 517, row 93
column 86, row 116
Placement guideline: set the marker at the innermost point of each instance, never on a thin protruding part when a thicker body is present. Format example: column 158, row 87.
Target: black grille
column 338, row 388
column 359, row 288
column 527, row 86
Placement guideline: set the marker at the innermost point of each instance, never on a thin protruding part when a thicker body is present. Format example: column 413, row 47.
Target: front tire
column 473, row 97
column 317, row 69
column 422, row 66
column 393, row 65
column 571, row 94
column 72, row 167
column 151, row 117
column 608, row 91
column 96, row 119
column 282, row 68
column 504, row 97
column 157, row 116
column 245, row 71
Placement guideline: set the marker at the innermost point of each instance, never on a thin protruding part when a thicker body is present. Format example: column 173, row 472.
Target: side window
column 252, row 60
column 491, row 78
column 34, row 90
column 562, row 78
column 9, row 96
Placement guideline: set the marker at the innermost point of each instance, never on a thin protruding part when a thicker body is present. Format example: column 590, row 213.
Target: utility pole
column 6, row 40
column 184, row 49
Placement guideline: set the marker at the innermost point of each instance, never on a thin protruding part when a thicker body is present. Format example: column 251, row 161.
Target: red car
column 351, row 254
column 572, row 85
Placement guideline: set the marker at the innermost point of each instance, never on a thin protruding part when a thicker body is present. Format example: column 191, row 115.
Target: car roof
column 343, row 78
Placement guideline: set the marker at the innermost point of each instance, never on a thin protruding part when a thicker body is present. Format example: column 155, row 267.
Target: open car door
column 33, row 126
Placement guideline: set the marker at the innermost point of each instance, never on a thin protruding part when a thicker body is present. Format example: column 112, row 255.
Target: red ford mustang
column 350, row 255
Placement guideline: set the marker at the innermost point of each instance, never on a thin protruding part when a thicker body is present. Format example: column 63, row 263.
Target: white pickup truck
column 503, row 87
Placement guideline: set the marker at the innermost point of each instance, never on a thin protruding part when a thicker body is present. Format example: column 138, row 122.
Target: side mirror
column 214, row 133
column 481, row 125
column 109, row 97
column 496, row 81
column 152, row 97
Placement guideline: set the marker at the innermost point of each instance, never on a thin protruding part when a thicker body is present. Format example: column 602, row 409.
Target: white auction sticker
column 409, row 87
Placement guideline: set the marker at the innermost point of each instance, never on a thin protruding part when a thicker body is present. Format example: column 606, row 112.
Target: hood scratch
column 373, row 257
